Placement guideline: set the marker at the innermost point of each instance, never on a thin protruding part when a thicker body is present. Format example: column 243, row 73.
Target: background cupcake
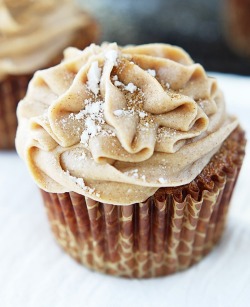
column 135, row 155
column 33, row 35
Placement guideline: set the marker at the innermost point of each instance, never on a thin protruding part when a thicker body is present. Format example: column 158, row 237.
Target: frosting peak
column 115, row 124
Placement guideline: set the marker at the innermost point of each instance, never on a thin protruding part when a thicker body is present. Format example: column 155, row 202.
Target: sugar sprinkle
column 94, row 76
column 111, row 56
column 151, row 72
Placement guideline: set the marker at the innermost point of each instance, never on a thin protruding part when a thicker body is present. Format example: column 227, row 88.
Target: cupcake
column 33, row 35
column 135, row 156
column 236, row 25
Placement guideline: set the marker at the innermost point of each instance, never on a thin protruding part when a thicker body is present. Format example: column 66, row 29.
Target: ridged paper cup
column 13, row 88
column 169, row 232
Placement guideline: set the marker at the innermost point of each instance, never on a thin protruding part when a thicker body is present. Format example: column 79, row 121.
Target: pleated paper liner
column 169, row 232
column 13, row 88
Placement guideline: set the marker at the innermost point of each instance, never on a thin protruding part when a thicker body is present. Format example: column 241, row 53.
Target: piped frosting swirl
column 115, row 124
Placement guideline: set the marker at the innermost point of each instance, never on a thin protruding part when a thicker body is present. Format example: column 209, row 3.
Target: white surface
column 35, row 272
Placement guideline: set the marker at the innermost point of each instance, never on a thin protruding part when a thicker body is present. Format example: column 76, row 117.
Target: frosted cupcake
column 33, row 35
column 135, row 156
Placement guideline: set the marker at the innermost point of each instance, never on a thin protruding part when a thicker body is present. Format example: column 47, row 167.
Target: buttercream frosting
column 117, row 123
column 33, row 32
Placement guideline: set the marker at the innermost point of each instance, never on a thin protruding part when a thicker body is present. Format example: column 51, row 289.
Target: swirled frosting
column 33, row 32
column 116, row 124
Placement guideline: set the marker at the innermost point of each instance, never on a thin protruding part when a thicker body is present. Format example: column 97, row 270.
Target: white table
column 35, row 272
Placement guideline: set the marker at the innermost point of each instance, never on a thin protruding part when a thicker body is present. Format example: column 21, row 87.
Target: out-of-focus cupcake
column 236, row 24
column 135, row 155
column 33, row 35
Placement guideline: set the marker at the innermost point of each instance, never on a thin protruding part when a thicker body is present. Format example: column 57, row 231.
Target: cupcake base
column 169, row 232
column 13, row 87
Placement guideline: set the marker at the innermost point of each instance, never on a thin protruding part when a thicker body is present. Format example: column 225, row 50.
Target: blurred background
column 215, row 32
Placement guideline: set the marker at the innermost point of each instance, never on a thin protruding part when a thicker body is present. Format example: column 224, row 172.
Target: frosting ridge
column 115, row 124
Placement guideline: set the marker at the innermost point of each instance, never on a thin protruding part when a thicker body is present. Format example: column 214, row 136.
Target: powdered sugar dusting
column 130, row 87
column 164, row 132
column 143, row 177
column 151, row 72
column 135, row 102
column 162, row 180
column 111, row 56
column 93, row 115
column 142, row 114
column 118, row 113
column 82, row 157
column 124, row 112
column 168, row 85
column 80, row 182
column 118, row 83
column 132, row 173
column 94, row 76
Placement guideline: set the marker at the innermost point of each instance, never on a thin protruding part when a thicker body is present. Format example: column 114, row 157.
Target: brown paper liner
column 169, row 232
column 13, row 88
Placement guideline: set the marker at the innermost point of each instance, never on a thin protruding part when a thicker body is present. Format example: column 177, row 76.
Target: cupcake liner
column 13, row 88
column 170, row 231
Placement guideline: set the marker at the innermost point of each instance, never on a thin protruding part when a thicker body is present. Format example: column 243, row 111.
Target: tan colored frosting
column 115, row 124
column 33, row 32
